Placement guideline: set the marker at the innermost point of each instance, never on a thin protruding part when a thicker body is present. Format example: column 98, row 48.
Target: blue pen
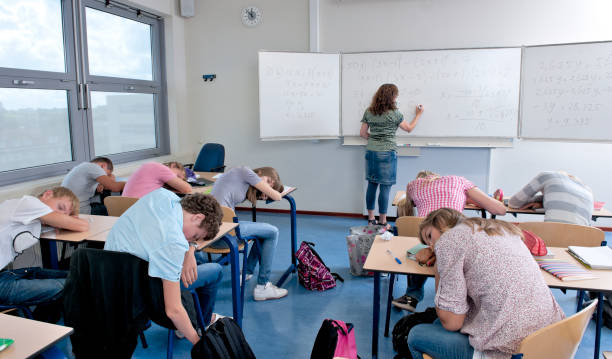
column 394, row 257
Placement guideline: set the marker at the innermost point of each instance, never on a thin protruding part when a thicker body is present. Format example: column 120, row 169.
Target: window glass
column 122, row 122
column 35, row 128
column 31, row 35
column 123, row 52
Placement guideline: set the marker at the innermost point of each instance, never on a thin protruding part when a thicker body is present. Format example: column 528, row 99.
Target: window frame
column 76, row 80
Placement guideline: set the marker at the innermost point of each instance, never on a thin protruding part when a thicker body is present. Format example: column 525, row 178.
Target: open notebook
column 593, row 257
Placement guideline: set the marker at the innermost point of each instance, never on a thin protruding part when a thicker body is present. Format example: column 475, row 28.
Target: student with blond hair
column 490, row 293
column 234, row 187
column 428, row 192
column 21, row 220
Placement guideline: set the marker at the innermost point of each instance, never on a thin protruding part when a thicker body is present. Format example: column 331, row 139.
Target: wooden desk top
column 97, row 225
column 379, row 260
column 399, row 195
column 225, row 228
column 31, row 337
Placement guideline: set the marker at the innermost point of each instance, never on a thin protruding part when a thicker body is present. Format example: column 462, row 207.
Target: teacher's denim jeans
column 267, row 235
column 209, row 277
column 434, row 340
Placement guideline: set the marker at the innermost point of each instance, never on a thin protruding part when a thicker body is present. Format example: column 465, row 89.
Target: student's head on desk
column 61, row 200
column 202, row 216
column 270, row 175
column 177, row 168
column 443, row 219
column 105, row 163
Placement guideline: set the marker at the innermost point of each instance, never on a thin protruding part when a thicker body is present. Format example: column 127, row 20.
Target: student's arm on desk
column 176, row 312
column 179, row 185
column 108, row 182
column 484, row 201
column 450, row 321
column 270, row 192
column 64, row 221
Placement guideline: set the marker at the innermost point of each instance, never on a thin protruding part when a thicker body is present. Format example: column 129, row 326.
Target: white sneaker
column 246, row 276
column 268, row 291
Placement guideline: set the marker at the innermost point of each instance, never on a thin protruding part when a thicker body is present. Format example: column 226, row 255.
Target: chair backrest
column 228, row 216
column 210, row 159
column 556, row 234
column 116, row 205
column 408, row 226
column 560, row 339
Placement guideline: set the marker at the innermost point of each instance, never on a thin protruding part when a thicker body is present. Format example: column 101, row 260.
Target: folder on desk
column 593, row 257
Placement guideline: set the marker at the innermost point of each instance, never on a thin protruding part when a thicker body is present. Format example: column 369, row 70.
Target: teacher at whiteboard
column 378, row 125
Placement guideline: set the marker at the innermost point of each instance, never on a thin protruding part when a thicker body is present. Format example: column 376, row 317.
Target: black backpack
column 403, row 326
column 222, row 340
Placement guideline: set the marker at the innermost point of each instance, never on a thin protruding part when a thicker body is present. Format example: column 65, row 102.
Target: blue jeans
column 381, row 167
column 434, row 340
column 383, row 197
column 267, row 236
column 415, row 286
column 31, row 286
column 209, row 277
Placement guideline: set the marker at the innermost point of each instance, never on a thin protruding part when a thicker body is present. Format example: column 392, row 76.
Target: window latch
column 23, row 82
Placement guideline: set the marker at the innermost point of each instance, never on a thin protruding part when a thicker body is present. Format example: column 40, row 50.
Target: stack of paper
column 593, row 257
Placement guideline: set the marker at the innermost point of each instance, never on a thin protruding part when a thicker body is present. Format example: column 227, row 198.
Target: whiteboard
column 299, row 95
column 567, row 92
column 466, row 93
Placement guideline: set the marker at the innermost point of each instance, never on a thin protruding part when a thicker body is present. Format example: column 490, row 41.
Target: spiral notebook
column 565, row 271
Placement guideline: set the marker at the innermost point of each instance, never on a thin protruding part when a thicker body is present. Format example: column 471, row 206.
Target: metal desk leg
column 50, row 258
column 293, row 265
column 389, row 299
column 254, row 213
column 376, row 315
column 235, row 268
column 598, row 324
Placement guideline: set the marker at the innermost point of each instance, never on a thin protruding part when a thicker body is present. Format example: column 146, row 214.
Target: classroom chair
column 407, row 226
column 555, row 234
column 558, row 340
column 211, row 158
column 25, row 311
column 243, row 246
column 116, row 205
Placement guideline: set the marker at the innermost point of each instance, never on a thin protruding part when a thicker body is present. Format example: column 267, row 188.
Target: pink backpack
column 312, row 272
column 336, row 340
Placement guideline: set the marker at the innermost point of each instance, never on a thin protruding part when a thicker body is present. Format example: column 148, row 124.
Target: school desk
column 31, row 337
column 293, row 217
column 601, row 213
column 379, row 260
column 97, row 224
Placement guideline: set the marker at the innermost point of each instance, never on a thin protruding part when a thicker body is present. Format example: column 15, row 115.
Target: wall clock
column 251, row 16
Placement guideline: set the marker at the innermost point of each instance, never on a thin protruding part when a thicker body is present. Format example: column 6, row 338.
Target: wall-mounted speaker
column 187, row 8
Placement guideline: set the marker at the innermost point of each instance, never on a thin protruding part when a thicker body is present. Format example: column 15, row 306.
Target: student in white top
column 90, row 178
column 20, row 226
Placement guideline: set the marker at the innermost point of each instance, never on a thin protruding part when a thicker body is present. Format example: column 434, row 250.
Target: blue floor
column 286, row 328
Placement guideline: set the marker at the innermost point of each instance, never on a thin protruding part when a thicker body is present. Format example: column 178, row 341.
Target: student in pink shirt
column 153, row 175
column 429, row 192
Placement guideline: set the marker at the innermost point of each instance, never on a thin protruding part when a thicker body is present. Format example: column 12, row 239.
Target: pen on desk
column 394, row 257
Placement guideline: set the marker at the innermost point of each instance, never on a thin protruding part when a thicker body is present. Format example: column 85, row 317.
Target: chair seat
column 213, row 250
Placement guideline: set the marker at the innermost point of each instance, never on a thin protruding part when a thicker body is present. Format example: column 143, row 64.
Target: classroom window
column 78, row 85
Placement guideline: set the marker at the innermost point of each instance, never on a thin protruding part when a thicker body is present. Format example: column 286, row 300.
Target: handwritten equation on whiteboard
column 567, row 92
column 466, row 93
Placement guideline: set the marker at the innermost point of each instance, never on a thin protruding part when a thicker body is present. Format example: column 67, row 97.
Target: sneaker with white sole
column 405, row 302
column 268, row 291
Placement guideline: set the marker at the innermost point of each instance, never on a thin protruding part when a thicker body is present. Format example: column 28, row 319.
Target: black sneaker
column 406, row 303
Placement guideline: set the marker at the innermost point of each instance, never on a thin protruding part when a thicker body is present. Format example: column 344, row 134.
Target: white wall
column 330, row 176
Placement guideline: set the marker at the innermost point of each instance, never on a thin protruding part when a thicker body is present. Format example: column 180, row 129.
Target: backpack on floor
column 313, row 274
column 358, row 243
column 222, row 340
column 402, row 329
column 335, row 339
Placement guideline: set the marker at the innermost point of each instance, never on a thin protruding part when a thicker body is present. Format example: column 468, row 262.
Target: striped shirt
column 564, row 199
column 432, row 193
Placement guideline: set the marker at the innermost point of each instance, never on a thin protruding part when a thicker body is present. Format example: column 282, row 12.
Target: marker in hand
column 394, row 257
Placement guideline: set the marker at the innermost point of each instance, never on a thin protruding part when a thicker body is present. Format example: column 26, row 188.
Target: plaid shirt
column 431, row 193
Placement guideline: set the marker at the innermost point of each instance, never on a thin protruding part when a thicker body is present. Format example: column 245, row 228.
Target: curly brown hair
column 384, row 99
column 208, row 206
